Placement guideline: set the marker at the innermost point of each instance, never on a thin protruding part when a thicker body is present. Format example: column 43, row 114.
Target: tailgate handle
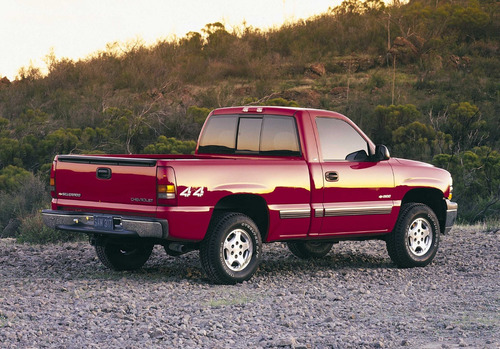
column 103, row 173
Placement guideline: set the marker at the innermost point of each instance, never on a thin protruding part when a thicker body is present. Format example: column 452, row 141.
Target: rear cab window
column 267, row 135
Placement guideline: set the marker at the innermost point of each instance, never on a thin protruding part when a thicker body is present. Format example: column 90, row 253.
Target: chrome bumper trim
column 451, row 215
column 143, row 227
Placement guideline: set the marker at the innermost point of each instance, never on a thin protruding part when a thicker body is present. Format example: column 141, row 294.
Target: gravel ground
column 60, row 296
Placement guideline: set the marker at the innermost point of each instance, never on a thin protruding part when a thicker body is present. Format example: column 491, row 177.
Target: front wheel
column 123, row 255
column 231, row 250
column 415, row 239
column 309, row 249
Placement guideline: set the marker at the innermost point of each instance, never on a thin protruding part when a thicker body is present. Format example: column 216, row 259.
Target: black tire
column 231, row 251
column 309, row 249
column 123, row 255
column 415, row 239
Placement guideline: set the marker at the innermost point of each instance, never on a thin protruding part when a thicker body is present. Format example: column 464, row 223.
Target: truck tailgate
column 106, row 179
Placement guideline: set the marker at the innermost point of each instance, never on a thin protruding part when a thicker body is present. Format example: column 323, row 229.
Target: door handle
column 332, row 176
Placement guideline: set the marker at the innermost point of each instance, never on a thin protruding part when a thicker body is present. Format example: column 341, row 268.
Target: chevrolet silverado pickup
column 307, row 177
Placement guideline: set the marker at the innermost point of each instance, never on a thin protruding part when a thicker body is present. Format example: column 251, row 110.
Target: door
column 357, row 191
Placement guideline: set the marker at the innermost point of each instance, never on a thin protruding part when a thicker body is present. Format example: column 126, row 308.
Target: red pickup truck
column 308, row 177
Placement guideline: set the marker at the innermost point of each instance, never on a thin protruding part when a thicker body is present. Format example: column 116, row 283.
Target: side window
column 339, row 141
column 279, row 136
column 219, row 135
column 249, row 135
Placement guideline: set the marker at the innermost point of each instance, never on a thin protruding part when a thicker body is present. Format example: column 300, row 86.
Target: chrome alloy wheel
column 237, row 250
column 419, row 237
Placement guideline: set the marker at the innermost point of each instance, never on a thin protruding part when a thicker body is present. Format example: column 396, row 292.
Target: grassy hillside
column 422, row 78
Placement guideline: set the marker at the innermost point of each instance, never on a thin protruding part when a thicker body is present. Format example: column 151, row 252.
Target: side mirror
column 359, row 155
column 382, row 153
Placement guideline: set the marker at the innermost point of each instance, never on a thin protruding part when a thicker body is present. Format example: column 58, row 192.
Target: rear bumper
column 451, row 215
column 144, row 227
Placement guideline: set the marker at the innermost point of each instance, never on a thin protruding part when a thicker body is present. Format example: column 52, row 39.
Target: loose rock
column 355, row 297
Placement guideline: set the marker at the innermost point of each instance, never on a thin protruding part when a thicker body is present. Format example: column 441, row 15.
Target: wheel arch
column 253, row 206
column 431, row 197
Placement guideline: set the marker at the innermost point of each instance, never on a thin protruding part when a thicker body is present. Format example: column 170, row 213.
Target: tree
column 217, row 40
column 4, row 123
column 414, row 141
column 464, row 123
column 11, row 178
column 470, row 21
column 127, row 129
column 389, row 118
column 476, row 176
column 31, row 121
column 198, row 114
column 62, row 141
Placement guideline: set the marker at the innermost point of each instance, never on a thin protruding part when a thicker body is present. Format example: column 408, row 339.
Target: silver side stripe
column 304, row 213
column 337, row 211
column 357, row 211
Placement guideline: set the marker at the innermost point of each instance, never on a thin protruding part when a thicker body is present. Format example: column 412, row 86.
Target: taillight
column 52, row 182
column 165, row 184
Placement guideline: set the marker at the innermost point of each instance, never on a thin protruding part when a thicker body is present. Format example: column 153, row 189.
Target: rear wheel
column 231, row 250
column 309, row 249
column 123, row 255
column 415, row 239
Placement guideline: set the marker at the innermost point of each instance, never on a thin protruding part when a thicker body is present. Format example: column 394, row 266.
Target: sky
column 31, row 29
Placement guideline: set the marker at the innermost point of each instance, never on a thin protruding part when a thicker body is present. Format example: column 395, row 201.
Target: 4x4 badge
column 198, row 192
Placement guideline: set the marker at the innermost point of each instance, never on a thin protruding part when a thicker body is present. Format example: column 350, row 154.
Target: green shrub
column 28, row 197
column 198, row 114
column 476, row 182
column 282, row 102
column 12, row 177
column 33, row 231
column 377, row 80
column 170, row 145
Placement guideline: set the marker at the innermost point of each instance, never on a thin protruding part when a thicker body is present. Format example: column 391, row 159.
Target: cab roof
column 286, row 111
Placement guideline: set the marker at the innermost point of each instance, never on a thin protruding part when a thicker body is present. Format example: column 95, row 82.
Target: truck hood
column 413, row 163
column 420, row 174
